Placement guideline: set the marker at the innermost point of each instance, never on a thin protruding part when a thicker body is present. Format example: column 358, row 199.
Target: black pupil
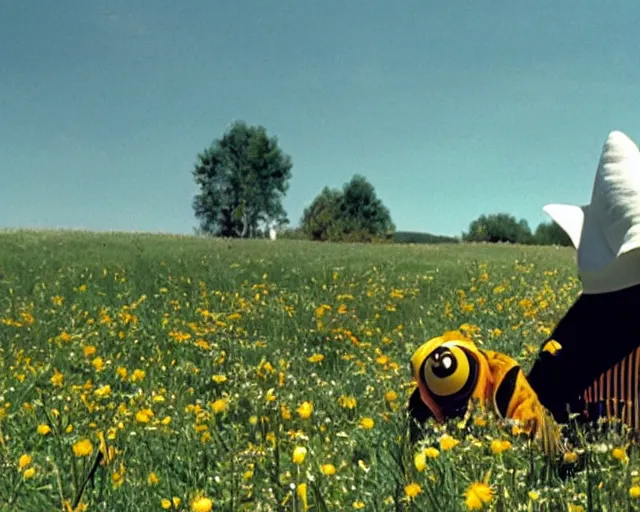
column 444, row 364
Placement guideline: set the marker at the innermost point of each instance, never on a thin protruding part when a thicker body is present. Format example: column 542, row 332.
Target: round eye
column 447, row 371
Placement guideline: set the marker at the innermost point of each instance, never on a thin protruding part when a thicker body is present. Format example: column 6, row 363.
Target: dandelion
column 29, row 473
column 391, row 396
column 103, row 391
column 431, row 452
column 570, row 457
column 315, row 358
column 43, row 430
column 299, row 454
column 412, row 490
column 98, row 364
column 219, row 379
column 634, row 492
column 153, row 479
column 448, row 443
column 533, row 495
column 82, row 448
column 201, row 505
column 358, row 504
column 57, row 379
column 328, row 469
column 219, row 405
column 367, row 423
column 305, row 410
column 301, row 491
column 144, row 416
column 24, row 461
column 420, row 461
column 165, row 504
column 619, row 454
column 499, row 446
column 477, row 495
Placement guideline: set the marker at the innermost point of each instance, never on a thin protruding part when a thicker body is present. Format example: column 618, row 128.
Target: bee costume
column 451, row 373
column 591, row 363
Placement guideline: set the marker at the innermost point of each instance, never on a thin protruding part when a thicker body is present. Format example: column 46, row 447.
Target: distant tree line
column 244, row 176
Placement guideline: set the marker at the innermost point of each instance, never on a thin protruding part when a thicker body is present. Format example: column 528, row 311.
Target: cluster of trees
column 502, row 227
column 244, row 175
column 354, row 213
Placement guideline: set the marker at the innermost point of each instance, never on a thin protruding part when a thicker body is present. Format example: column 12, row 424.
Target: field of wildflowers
column 144, row 373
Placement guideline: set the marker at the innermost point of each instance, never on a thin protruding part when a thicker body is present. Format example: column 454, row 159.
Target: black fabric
column 505, row 390
column 597, row 332
column 419, row 414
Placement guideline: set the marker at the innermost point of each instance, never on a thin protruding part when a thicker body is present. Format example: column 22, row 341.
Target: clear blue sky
column 450, row 109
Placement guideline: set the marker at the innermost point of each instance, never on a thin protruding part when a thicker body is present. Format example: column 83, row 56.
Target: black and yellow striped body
column 590, row 366
column 451, row 372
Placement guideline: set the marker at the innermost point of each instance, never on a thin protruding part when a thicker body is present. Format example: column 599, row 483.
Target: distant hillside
column 413, row 237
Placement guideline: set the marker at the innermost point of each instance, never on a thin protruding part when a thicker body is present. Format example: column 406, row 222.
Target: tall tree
column 242, row 177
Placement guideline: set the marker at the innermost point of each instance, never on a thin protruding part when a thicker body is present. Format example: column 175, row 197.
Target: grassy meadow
column 142, row 373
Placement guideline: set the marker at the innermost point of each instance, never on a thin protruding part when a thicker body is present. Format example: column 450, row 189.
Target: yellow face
column 448, row 370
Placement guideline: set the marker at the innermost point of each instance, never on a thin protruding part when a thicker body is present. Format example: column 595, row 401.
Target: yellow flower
column 412, row 490
column 299, row 454
column 328, row 469
column 480, row 422
column 634, row 492
column 499, row 446
column 431, row 452
column 43, row 430
column 447, row 442
column 144, row 416
column 201, row 505
column 219, row 379
column 533, row 495
column 619, row 454
column 98, row 363
column 477, row 495
column 315, row 358
column 103, row 391
column 575, row 508
column 286, row 413
column 176, row 501
column 30, row 473
column 153, row 479
column 569, row 457
column 270, row 395
column 347, row 402
column 552, row 346
column 367, row 423
column 165, row 504
column 24, row 461
column 358, row 504
column 57, row 379
column 220, row 405
column 390, row 396
column 305, row 410
column 82, row 448
column 301, row 491
column 420, row 461
column 137, row 375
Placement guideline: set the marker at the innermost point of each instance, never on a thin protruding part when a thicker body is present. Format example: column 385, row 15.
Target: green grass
column 78, row 310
